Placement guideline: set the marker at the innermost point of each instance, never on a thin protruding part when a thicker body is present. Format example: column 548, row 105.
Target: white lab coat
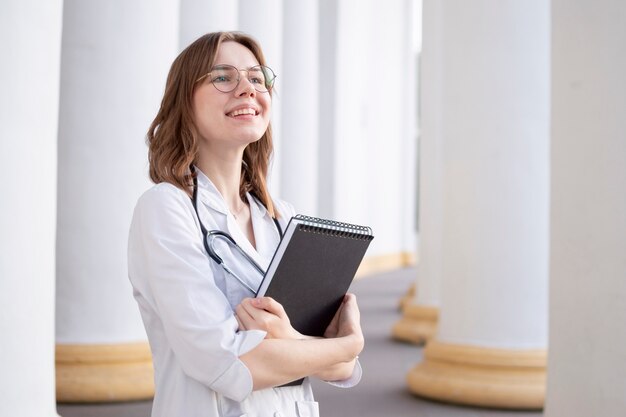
column 187, row 304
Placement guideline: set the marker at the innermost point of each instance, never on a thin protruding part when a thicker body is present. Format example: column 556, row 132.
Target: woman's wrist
column 353, row 345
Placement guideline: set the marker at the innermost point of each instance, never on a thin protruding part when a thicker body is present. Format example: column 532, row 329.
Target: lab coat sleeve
column 169, row 267
column 353, row 380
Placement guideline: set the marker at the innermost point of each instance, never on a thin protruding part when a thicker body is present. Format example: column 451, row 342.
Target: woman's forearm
column 337, row 372
column 276, row 362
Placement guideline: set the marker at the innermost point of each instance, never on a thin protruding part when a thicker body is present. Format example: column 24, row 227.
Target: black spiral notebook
column 312, row 269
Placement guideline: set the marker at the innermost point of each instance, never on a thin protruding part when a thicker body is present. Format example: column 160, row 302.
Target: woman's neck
column 224, row 171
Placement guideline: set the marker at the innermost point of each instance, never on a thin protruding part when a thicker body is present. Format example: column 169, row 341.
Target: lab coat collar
column 209, row 194
column 258, row 209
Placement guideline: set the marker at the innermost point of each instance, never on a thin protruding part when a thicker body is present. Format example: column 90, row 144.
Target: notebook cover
column 314, row 274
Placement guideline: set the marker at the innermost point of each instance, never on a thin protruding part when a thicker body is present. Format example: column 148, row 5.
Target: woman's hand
column 347, row 323
column 267, row 314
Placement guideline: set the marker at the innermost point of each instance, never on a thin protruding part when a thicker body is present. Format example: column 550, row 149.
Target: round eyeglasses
column 226, row 77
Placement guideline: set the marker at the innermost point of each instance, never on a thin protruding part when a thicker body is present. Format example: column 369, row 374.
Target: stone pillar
column 421, row 310
column 370, row 137
column 490, row 349
column 30, row 45
column 587, row 365
column 328, row 51
column 115, row 59
column 264, row 21
column 198, row 17
column 299, row 92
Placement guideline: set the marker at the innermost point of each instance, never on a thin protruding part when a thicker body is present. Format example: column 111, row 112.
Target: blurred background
column 483, row 141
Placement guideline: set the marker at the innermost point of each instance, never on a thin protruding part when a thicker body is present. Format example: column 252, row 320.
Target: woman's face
column 232, row 119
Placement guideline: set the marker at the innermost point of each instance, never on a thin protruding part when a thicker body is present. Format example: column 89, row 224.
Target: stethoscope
column 209, row 237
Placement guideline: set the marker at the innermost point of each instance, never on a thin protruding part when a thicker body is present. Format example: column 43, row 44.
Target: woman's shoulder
column 162, row 196
column 285, row 209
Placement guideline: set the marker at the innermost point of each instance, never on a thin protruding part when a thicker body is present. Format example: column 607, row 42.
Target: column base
column 485, row 377
column 417, row 325
column 383, row 263
column 407, row 298
column 104, row 373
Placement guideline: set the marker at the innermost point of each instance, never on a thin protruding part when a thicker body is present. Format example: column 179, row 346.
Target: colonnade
column 521, row 175
column 85, row 83
column 522, row 150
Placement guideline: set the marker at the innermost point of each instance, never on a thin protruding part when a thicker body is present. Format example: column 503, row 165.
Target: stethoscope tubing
column 218, row 234
column 210, row 236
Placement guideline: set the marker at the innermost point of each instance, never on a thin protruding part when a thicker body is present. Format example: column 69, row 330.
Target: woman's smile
column 243, row 111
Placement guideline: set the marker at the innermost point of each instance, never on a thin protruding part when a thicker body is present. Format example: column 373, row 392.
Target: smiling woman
column 215, row 351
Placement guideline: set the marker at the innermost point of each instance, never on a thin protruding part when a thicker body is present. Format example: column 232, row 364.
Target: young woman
column 217, row 350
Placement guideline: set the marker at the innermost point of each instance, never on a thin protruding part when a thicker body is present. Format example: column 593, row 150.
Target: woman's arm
column 286, row 355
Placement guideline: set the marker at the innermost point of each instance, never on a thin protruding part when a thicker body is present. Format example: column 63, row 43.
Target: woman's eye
column 256, row 80
column 221, row 79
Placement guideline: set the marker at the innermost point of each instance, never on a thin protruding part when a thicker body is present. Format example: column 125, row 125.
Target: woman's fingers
column 333, row 327
column 266, row 314
column 350, row 318
column 241, row 325
column 269, row 304
column 245, row 320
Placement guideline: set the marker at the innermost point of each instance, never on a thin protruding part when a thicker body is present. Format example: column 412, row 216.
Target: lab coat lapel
column 211, row 198
column 265, row 233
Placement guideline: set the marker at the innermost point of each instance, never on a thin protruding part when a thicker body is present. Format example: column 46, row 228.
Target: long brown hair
column 172, row 138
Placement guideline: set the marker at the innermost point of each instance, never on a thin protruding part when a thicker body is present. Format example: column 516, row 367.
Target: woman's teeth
column 242, row 111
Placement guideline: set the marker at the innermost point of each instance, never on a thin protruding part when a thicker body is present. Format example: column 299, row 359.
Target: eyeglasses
column 226, row 77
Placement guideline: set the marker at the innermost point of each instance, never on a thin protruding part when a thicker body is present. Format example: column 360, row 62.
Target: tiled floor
column 381, row 393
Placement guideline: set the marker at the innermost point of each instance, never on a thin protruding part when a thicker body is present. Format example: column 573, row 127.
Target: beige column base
column 417, row 325
column 408, row 297
column 384, row 263
column 104, row 373
column 499, row 378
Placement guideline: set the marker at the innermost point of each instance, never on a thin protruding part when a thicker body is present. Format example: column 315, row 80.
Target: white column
column 30, row 46
column 263, row 20
column 492, row 335
column 114, row 63
column 328, row 51
column 198, row 17
column 372, row 89
column 587, row 365
column 299, row 91
column 420, row 314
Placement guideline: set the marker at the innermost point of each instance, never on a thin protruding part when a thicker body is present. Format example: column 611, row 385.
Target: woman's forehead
column 235, row 54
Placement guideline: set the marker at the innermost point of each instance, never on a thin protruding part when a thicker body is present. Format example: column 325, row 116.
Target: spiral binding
column 331, row 227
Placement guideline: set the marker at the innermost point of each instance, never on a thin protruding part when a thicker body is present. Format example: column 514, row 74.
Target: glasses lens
column 261, row 77
column 225, row 78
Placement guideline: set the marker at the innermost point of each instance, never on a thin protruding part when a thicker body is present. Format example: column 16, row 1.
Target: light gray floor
column 381, row 393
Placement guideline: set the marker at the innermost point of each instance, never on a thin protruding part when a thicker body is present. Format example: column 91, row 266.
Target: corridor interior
column 381, row 393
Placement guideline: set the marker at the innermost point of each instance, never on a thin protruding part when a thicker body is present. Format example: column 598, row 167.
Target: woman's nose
column 245, row 87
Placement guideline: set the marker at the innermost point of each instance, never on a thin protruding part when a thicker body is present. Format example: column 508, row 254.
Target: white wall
column 587, row 363
column 198, row 17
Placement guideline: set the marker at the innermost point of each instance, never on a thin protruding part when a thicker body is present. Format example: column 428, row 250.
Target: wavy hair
column 172, row 137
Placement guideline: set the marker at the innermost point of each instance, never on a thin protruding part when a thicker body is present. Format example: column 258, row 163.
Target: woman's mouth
column 244, row 111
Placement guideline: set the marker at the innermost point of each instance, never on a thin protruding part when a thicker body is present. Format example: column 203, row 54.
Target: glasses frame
column 269, row 84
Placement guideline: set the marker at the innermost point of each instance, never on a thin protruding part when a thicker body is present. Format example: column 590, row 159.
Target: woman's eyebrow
column 230, row 65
